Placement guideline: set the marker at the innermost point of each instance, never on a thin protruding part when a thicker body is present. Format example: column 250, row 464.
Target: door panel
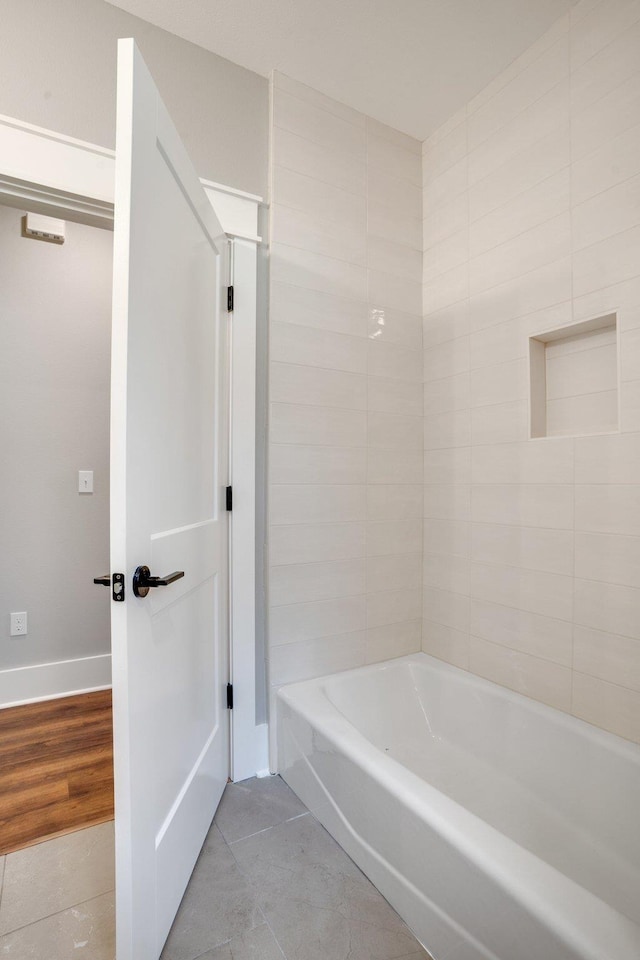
column 169, row 472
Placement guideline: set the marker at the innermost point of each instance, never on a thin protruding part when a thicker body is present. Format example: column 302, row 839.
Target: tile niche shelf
column 573, row 379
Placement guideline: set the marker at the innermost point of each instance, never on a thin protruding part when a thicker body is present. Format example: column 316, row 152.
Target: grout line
column 562, row 38
column 314, row 483
column 590, row 107
column 338, row 297
column 428, row 145
column 614, row 39
column 305, row 175
column 56, row 913
column 273, row 935
column 524, row 653
column 512, row 280
column 360, row 557
column 311, row 104
column 507, row 163
column 612, row 186
column 356, row 195
column 358, row 337
column 351, row 123
column 547, row 93
column 282, row 165
column 258, row 833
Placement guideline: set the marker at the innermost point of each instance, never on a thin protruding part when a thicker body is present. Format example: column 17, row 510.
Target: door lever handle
column 143, row 581
column 103, row 581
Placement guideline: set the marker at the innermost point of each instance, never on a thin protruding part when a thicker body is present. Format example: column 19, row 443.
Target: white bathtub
column 497, row 827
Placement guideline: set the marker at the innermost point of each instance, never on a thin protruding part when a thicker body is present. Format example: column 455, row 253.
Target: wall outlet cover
column 18, row 624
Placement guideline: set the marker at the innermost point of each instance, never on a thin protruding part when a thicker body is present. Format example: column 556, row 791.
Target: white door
column 168, row 475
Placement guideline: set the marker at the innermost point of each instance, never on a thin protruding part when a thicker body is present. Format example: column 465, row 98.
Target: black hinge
column 229, row 500
column 229, row 299
column 229, row 696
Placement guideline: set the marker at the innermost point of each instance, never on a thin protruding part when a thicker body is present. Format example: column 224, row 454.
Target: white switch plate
column 85, row 481
column 18, row 624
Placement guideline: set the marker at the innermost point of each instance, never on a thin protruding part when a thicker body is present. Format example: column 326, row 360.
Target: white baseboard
column 48, row 681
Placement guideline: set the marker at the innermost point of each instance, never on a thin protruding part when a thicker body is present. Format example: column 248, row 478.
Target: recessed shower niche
column 574, row 379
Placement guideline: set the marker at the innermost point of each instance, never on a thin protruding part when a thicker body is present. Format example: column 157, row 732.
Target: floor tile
column 84, row 932
column 217, row 906
column 254, row 805
column 258, row 944
column 316, row 900
column 309, row 933
column 419, row 954
column 49, row 877
column 282, row 866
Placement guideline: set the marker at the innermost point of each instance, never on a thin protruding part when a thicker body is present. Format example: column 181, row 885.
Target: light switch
column 85, row 481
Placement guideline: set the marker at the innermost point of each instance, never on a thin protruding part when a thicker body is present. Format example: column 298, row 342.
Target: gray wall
column 55, row 309
column 58, row 70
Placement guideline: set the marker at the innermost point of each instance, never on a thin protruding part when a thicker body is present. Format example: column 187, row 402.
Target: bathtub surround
column 345, row 457
column 532, row 223
column 531, row 547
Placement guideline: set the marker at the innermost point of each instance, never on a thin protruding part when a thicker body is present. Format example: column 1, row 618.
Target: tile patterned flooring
column 56, row 898
column 270, row 884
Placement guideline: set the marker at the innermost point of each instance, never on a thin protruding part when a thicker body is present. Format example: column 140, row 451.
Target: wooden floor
column 56, row 768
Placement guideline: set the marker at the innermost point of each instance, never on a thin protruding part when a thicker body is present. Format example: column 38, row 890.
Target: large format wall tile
column 345, row 384
column 400, row 460
column 532, row 200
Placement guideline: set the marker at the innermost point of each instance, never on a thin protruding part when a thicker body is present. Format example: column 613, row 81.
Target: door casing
column 71, row 179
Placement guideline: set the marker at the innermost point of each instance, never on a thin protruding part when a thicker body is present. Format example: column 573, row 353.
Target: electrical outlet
column 18, row 624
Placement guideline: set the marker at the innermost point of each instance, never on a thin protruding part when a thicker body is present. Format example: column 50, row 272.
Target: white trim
column 233, row 191
column 50, row 681
column 245, row 753
column 73, row 179
column 38, row 165
column 52, row 203
column 43, row 158
column 238, row 215
column 262, row 738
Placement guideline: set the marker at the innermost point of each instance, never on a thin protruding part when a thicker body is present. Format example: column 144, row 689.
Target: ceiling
column 408, row 63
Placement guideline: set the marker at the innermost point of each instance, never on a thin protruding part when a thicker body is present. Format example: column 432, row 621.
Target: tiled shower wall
column 346, row 407
column 531, row 222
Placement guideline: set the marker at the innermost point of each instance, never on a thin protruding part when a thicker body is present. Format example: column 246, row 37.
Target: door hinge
column 229, row 696
column 229, row 299
column 229, row 499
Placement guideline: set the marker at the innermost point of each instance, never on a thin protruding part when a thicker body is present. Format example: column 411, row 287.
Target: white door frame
column 70, row 179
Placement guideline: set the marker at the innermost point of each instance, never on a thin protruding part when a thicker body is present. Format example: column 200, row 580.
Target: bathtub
column 498, row 828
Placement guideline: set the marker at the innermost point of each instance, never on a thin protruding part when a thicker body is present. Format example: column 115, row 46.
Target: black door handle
column 142, row 580
column 103, row 581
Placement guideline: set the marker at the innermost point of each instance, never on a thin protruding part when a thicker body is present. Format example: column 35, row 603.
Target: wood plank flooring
column 56, row 768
